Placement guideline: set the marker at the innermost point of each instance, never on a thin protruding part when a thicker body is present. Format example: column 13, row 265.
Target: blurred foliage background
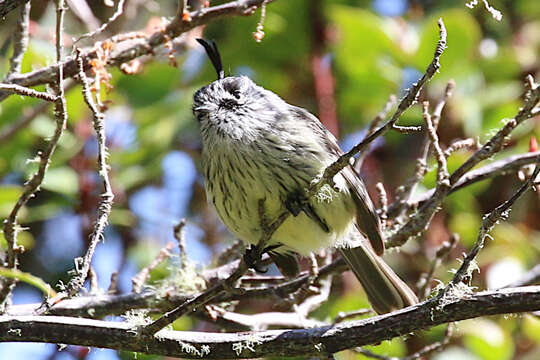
column 369, row 50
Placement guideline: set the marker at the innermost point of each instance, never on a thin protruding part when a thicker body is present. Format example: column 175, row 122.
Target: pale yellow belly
column 298, row 233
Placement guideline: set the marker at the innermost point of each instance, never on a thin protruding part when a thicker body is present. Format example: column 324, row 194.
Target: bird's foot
column 253, row 257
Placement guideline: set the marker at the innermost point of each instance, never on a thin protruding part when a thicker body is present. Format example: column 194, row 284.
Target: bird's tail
column 385, row 290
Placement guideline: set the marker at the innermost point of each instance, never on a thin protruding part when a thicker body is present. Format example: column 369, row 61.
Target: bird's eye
column 236, row 93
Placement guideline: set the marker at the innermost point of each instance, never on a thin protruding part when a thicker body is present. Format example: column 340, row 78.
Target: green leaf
column 349, row 303
column 40, row 53
column 279, row 62
column 391, row 348
column 61, row 179
column 486, row 339
column 154, row 83
column 29, row 279
column 466, row 224
column 463, row 38
column 364, row 65
column 531, row 328
column 9, row 194
column 122, row 217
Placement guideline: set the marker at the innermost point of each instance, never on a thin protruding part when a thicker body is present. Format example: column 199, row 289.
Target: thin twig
column 426, row 350
column 21, row 90
column 32, row 186
column 281, row 291
column 20, row 40
column 119, row 10
column 141, row 277
column 113, row 286
column 495, row 144
column 143, row 46
column 263, row 321
column 422, row 217
column 440, row 105
column 107, row 196
column 509, row 165
column 102, row 305
column 442, row 169
column 220, row 288
column 93, row 279
column 271, row 343
column 195, row 302
column 531, row 277
column 6, row 6
column 178, row 232
column 318, row 297
column 232, row 252
column 406, row 191
column 372, row 127
column 383, row 204
column 320, row 289
column 27, row 117
column 29, row 279
column 406, row 129
column 182, row 7
column 405, row 103
column 496, row 14
column 488, row 222
column 470, row 144
column 442, row 252
column 264, row 279
column 258, row 35
column 436, row 346
column 342, row 316
column 372, row 355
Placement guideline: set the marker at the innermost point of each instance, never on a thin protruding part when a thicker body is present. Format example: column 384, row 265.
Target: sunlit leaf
column 62, row 179
column 9, row 194
column 463, row 37
column 486, row 339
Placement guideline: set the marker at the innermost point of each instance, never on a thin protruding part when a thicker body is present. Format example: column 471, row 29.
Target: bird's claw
column 253, row 257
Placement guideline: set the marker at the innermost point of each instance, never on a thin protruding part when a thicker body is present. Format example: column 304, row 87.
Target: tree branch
column 488, row 222
column 405, row 192
column 418, row 222
column 8, row 5
column 24, row 91
column 8, row 131
column 119, row 10
column 133, row 48
column 504, row 166
column 32, row 186
column 20, row 40
column 278, row 343
column 495, row 144
column 405, row 103
column 107, row 196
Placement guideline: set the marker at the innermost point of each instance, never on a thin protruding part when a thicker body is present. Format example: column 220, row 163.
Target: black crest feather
column 213, row 54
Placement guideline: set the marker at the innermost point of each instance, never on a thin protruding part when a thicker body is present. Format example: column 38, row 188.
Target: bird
column 258, row 149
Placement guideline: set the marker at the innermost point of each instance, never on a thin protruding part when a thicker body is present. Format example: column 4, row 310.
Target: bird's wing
column 366, row 217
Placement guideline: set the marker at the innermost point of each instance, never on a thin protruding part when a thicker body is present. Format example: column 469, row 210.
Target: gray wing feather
column 366, row 216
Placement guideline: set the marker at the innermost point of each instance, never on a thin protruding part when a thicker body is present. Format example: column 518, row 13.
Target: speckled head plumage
column 226, row 106
column 231, row 93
